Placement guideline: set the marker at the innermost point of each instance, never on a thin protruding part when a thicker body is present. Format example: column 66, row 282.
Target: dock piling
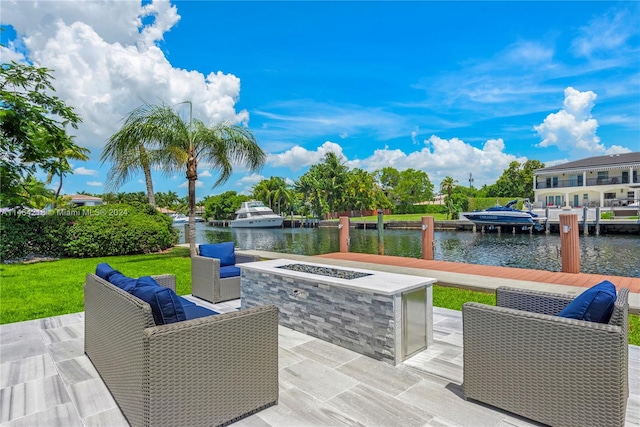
column 344, row 234
column 569, row 243
column 380, row 232
column 427, row 237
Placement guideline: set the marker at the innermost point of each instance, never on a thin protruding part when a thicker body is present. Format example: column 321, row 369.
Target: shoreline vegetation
column 52, row 288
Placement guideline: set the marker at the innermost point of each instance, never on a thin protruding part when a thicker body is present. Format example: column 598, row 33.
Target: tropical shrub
column 86, row 232
column 118, row 230
column 22, row 234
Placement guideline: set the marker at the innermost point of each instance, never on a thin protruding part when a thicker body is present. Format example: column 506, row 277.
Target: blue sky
column 451, row 88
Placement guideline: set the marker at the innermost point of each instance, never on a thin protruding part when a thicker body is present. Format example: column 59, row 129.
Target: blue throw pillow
column 595, row 304
column 165, row 304
column 225, row 252
column 229, row 271
column 104, row 270
column 123, row 282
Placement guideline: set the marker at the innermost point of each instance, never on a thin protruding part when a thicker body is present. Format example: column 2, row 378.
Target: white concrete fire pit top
column 366, row 280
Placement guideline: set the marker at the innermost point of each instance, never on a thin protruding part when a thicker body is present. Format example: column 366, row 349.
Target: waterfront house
column 606, row 181
column 84, row 200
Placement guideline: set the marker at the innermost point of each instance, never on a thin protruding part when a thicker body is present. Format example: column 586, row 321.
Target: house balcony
column 567, row 183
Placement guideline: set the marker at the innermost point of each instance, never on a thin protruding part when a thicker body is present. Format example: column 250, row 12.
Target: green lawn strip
column 398, row 217
column 453, row 298
column 46, row 289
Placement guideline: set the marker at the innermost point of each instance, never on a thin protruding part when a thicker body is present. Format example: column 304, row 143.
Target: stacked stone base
column 367, row 323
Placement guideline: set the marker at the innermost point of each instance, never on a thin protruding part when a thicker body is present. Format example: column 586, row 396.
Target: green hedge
column 481, row 203
column 21, row 235
column 421, row 209
column 87, row 232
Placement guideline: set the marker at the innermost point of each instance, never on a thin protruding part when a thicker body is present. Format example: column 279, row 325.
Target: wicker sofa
column 206, row 371
column 521, row 357
column 206, row 282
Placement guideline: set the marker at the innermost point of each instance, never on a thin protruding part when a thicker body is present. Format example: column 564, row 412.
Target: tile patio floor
column 45, row 380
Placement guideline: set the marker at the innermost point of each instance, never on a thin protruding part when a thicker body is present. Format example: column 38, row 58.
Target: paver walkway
column 46, row 380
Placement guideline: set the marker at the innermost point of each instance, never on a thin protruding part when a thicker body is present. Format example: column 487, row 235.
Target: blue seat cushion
column 196, row 311
column 229, row 271
column 123, row 282
column 104, row 270
column 225, row 252
column 595, row 304
column 185, row 302
column 165, row 304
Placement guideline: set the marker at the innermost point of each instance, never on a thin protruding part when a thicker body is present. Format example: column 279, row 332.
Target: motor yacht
column 254, row 214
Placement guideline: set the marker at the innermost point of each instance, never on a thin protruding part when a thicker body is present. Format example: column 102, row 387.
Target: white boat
column 505, row 215
column 254, row 214
column 179, row 218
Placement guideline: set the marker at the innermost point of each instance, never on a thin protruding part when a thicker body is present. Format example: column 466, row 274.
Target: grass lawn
column 400, row 217
column 45, row 289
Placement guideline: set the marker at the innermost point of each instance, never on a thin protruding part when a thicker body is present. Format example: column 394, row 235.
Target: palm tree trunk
column 192, row 176
column 149, row 183
column 55, row 199
column 144, row 160
column 192, row 217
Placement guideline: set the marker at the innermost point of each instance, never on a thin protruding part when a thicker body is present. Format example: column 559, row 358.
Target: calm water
column 606, row 254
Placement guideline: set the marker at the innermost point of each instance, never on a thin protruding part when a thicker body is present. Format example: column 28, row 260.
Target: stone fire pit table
column 383, row 315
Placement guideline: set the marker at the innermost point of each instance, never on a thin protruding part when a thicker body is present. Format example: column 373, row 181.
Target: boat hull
column 499, row 218
column 268, row 222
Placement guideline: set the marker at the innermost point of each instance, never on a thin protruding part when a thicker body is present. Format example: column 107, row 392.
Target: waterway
column 605, row 254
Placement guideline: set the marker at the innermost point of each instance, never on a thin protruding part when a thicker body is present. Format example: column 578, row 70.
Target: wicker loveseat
column 206, row 371
column 521, row 357
column 209, row 280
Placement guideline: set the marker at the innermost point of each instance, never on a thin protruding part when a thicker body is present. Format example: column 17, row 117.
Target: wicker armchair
column 206, row 282
column 202, row 372
column 521, row 357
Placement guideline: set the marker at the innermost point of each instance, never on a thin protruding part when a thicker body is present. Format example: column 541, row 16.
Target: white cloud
column 299, row 157
column 204, row 174
column 606, row 34
column 84, row 171
column 11, row 54
column 186, row 184
column 94, row 184
column 105, row 62
column 250, row 179
column 573, row 127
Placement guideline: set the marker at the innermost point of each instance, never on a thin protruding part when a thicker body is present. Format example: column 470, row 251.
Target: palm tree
column 447, row 185
column 61, row 166
column 174, row 144
column 127, row 158
column 273, row 191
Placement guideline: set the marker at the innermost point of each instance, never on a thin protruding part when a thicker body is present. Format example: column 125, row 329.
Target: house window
column 548, row 182
column 625, row 177
column 585, row 196
column 555, row 182
column 609, row 196
column 603, row 177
